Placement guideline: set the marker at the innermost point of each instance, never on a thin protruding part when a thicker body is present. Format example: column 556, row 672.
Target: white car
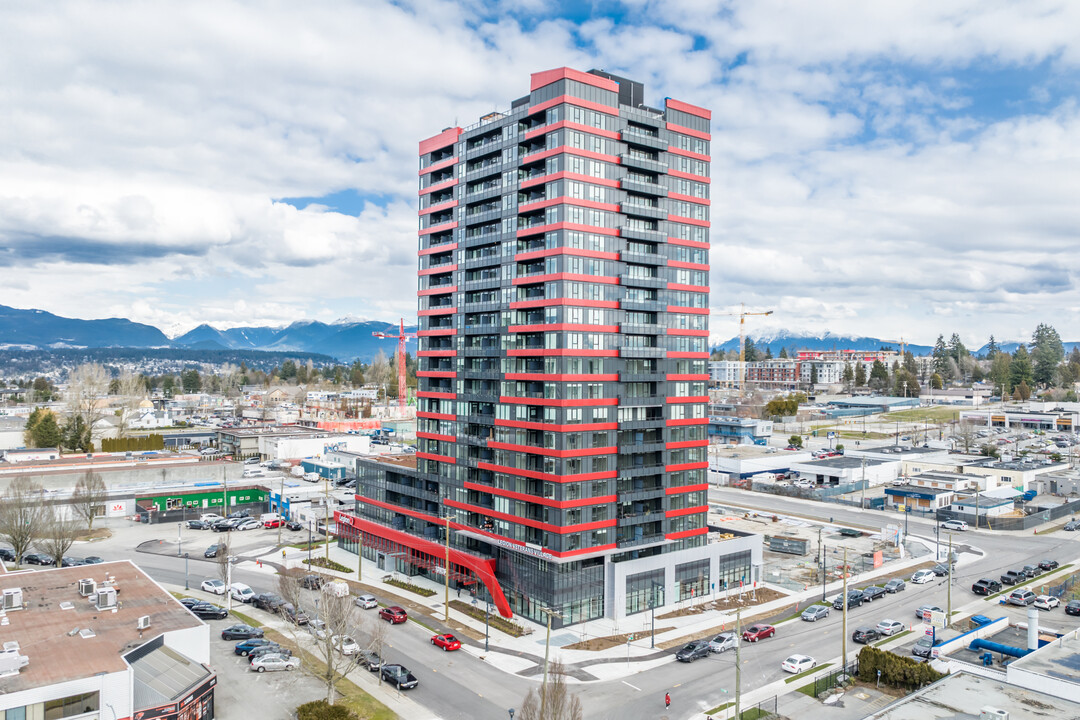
column 1046, row 602
column 274, row 661
column 723, row 641
column 249, row 524
column 210, row 517
column 368, row 602
column 345, row 644
column 213, row 586
column 954, row 525
column 317, row 628
column 922, row 576
column 241, row 592
column 798, row 663
column 890, row 627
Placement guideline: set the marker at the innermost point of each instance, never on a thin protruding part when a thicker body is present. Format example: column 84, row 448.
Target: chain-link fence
column 1059, row 590
column 1037, row 516
column 763, row 710
column 840, row 677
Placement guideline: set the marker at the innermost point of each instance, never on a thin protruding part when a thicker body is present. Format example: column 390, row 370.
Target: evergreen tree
column 957, row 351
column 849, row 375
column 191, row 381
column 860, row 375
column 783, row 353
column 905, row 384
column 991, row 348
column 77, row 435
column 750, row 352
column 1047, row 353
column 936, row 382
column 999, row 371
column 813, row 375
column 909, row 363
column 46, row 431
column 1020, row 370
column 768, row 353
column 879, row 376
column 940, row 355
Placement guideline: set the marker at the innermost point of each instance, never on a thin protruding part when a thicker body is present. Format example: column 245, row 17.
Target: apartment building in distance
column 563, row 327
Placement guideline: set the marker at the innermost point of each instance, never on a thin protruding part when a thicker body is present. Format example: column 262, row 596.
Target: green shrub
column 896, row 670
column 328, row 564
column 423, row 591
column 322, row 710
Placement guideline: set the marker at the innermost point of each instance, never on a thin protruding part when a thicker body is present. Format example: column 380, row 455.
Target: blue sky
column 878, row 169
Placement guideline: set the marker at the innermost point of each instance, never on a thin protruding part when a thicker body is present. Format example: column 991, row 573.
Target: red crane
column 401, row 337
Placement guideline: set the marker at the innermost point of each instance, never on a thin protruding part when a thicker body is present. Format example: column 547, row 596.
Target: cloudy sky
column 884, row 168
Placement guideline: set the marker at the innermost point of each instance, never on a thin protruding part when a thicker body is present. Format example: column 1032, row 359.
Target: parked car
column 758, row 631
column 986, row 586
column 271, row 524
column 293, row 525
column 854, row 600
column 366, row 601
column 959, row 525
column 241, row 592
column 7, row 554
column 345, row 645
column 213, row 551
column 217, row 587
column 290, row 613
column 197, row 525
column 270, row 602
column 873, row 593
column 239, row 515
column 274, row 661
column 1046, row 602
column 865, row 634
column 940, row 570
column 1072, row 525
column 92, row 560
column 1072, row 607
column 371, row 659
column 245, row 648
column 895, row 585
column 798, row 663
column 446, row 642
column 224, row 525
column 210, row 517
column 1022, row 597
column 1032, row 571
column 38, row 559
column 1049, row 565
column 923, row 647
column 248, row 524
column 693, row 651
column 69, row 561
column 241, row 632
column 890, row 627
column 190, row 602
column 399, row 675
column 922, row 576
column 723, row 642
column 815, row 613
column 1011, row 577
column 394, row 614
column 923, row 611
column 311, row 582
column 209, row 611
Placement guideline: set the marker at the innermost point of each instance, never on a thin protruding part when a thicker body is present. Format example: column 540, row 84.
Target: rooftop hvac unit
column 106, row 599
column 13, row 599
column 993, row 713
column 143, row 623
column 11, row 662
column 87, row 587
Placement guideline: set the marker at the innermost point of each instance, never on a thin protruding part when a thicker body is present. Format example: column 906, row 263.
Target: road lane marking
column 629, row 685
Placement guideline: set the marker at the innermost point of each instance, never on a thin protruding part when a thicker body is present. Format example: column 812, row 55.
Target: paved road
column 458, row 685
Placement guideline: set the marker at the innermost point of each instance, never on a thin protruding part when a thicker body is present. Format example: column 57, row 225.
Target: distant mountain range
column 345, row 340
column 776, row 341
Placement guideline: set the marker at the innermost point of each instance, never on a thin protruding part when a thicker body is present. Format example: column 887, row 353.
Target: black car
column 311, row 582
column 1072, row 607
column 197, row 525
column 92, row 560
column 290, row 613
column 1049, row 565
column 238, row 515
column 268, row 601
column 399, row 675
column 209, row 611
column 865, row 635
column 895, row 585
column 693, row 650
column 855, row 599
column 190, row 602
column 38, row 559
column 240, row 632
column 940, row 570
column 7, row 554
column 245, row 647
column 1032, row 570
column 69, row 561
column 986, row 586
column 293, row 525
column 1011, row 577
column 371, row 659
column 872, row 593
column 267, row 649
column 226, row 524
column 213, row 551
column 923, row 647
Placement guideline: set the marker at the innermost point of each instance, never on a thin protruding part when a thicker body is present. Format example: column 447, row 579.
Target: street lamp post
column 487, row 614
column 547, row 651
column 446, row 604
column 228, row 582
column 186, row 572
column 178, row 528
column 824, row 570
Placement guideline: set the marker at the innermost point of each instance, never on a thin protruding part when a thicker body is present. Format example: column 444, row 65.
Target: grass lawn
column 1009, row 588
column 892, row 637
column 247, row 619
column 804, row 673
column 933, row 414
column 807, row 690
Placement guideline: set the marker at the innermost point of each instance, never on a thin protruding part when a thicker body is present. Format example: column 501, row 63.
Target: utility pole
column 824, row 568
column 446, row 605
column 948, row 586
column 547, row 650
column 862, row 500
column 326, row 514
column 280, row 507
column 843, row 634
column 738, row 660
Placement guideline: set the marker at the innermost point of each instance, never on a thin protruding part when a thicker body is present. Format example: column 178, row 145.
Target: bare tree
column 21, row 515
column 378, row 634
column 338, row 615
column 87, row 391
column 88, row 500
column 131, row 390
column 966, row 433
column 58, row 533
column 554, row 701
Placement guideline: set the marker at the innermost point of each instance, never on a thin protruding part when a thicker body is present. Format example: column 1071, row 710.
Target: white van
column 241, row 592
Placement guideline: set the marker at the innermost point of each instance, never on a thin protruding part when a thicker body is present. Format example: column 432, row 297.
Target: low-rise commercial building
column 843, row 470
column 739, row 431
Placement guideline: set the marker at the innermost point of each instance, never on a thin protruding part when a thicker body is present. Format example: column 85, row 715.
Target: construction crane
column 401, row 337
column 903, row 346
column 742, row 314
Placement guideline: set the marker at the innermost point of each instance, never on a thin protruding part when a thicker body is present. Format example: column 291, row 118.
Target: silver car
column 366, row 601
column 723, row 641
column 274, row 661
column 890, row 627
column 815, row 613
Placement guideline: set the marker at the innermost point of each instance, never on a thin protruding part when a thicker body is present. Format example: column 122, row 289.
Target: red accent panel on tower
column 546, row 77
column 688, row 108
column 446, row 137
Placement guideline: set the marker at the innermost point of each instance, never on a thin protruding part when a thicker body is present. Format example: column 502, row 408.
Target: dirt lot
column 606, row 643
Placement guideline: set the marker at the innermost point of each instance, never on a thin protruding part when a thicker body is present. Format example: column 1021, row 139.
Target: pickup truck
column 1011, row 577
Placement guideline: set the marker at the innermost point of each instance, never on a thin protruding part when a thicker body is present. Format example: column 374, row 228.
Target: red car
column 394, row 614
column 446, row 642
column 272, row 523
column 758, row 632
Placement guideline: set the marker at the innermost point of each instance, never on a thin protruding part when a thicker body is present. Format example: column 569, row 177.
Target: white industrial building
column 292, row 447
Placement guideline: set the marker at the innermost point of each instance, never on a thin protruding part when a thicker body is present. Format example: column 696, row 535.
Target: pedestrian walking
column 667, row 700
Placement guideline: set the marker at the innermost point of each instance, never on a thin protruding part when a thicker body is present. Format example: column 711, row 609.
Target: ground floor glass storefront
column 575, row 590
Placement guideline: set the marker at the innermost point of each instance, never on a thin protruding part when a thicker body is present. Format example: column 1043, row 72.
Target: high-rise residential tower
column 563, row 325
